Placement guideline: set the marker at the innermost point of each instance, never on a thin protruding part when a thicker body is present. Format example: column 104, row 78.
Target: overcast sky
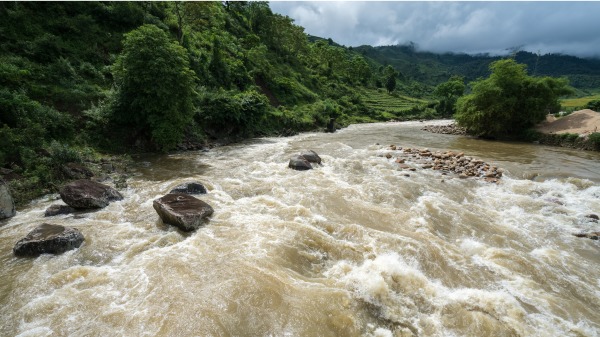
column 471, row 27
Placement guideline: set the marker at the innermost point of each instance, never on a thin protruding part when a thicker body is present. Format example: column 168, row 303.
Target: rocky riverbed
column 447, row 162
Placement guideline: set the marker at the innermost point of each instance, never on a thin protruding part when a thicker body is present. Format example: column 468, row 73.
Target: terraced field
column 393, row 107
column 578, row 102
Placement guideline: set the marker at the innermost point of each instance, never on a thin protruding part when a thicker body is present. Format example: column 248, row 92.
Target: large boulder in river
column 182, row 210
column 189, row 188
column 7, row 204
column 48, row 239
column 299, row 163
column 311, row 156
column 85, row 194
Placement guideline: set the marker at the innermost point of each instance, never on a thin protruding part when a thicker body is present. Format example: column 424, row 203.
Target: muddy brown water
column 351, row 248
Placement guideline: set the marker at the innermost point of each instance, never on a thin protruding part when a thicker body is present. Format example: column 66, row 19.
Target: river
column 354, row 247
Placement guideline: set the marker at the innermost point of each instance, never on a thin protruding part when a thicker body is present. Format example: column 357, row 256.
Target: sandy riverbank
column 582, row 122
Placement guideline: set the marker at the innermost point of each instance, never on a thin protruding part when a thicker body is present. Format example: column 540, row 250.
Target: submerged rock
column 593, row 217
column 86, row 194
column 299, row 163
column 182, row 210
column 58, row 209
column 592, row 235
column 311, row 156
column 189, row 188
column 48, row 239
column 7, row 204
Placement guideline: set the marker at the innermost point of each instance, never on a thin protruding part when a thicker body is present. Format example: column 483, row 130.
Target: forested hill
column 432, row 68
column 76, row 77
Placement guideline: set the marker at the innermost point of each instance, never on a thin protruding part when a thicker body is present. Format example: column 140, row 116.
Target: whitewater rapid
column 354, row 247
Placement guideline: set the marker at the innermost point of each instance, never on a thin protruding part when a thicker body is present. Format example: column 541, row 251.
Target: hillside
column 82, row 78
column 432, row 69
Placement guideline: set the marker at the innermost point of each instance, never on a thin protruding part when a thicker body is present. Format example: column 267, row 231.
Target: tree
column 448, row 93
column 509, row 101
column 390, row 78
column 155, row 86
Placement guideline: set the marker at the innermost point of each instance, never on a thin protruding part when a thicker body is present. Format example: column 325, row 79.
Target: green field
column 393, row 106
column 578, row 102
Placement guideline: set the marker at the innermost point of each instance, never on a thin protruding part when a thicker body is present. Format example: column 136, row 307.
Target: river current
column 354, row 247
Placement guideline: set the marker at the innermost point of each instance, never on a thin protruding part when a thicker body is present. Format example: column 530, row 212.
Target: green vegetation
column 594, row 105
column 447, row 94
column 580, row 102
column 394, row 106
column 432, row 69
column 509, row 101
column 82, row 78
column 154, row 87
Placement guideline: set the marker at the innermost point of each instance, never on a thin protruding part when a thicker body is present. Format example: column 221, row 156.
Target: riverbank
column 579, row 130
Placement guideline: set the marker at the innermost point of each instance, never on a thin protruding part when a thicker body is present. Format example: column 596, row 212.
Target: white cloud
column 471, row 27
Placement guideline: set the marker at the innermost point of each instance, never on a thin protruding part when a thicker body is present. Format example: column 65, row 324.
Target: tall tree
column 155, row 86
column 509, row 101
column 447, row 94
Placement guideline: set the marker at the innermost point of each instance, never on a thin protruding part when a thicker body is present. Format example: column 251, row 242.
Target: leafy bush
column 594, row 105
column 594, row 137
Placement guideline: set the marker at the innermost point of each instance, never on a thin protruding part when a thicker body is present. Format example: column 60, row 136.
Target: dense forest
column 82, row 78
column 431, row 68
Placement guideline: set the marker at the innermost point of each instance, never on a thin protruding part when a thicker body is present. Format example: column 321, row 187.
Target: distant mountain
column 432, row 69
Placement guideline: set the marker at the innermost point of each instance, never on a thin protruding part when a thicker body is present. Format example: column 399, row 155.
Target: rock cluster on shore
column 446, row 162
column 451, row 129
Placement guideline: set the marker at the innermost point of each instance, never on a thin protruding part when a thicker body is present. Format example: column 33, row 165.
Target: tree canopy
column 447, row 94
column 155, row 86
column 509, row 101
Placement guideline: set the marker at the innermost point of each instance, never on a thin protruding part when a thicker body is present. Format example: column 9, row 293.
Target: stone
column 299, row 163
column 593, row 217
column 592, row 235
column 48, row 239
column 311, row 156
column 86, row 194
column 189, row 188
column 58, row 209
column 388, row 156
column 7, row 204
column 182, row 210
column 77, row 171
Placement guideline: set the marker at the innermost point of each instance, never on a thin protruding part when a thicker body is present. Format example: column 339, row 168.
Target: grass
column 392, row 106
column 578, row 102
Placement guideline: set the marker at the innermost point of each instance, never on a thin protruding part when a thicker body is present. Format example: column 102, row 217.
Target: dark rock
column 311, row 156
column 58, row 209
column 88, row 194
column 48, row 239
column 330, row 125
column 592, row 235
column 189, row 188
column 77, row 171
column 593, row 217
column 108, row 167
column 7, row 204
column 299, row 163
column 182, row 210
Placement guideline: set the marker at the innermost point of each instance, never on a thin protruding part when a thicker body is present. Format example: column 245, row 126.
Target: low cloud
column 469, row 27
